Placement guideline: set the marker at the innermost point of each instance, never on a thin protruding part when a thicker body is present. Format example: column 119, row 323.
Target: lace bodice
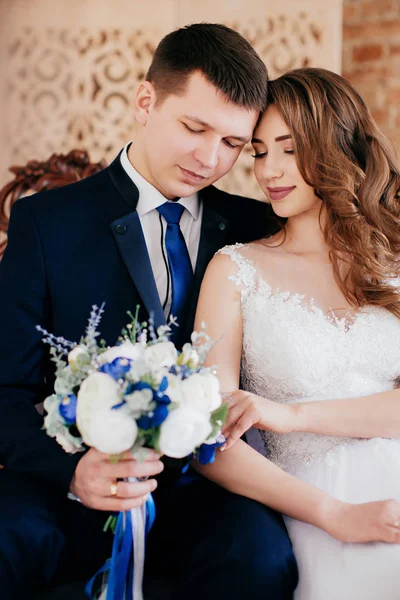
column 293, row 352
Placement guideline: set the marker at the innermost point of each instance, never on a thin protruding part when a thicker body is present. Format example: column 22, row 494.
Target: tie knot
column 171, row 211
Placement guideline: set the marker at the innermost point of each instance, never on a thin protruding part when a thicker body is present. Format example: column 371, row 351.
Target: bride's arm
column 244, row 471
column 377, row 415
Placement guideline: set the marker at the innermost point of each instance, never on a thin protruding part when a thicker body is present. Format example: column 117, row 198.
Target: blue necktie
column 179, row 262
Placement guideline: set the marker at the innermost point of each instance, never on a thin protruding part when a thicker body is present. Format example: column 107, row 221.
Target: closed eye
column 193, row 130
column 259, row 154
column 230, row 145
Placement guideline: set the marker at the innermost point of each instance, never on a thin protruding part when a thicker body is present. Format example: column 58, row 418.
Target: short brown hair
column 221, row 54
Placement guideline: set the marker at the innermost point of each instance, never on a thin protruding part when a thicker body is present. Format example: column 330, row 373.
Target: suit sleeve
column 25, row 303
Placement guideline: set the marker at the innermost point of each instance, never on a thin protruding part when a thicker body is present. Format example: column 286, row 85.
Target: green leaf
column 220, row 414
column 214, row 431
column 111, row 523
column 151, row 436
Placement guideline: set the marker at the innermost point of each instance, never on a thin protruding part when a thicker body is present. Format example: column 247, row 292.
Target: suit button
column 222, row 226
column 121, row 229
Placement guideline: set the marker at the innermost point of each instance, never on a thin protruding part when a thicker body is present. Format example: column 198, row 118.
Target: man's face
column 190, row 141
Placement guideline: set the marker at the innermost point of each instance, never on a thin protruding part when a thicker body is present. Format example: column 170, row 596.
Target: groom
column 140, row 232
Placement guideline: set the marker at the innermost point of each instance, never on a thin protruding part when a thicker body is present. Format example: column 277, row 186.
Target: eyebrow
column 280, row 138
column 205, row 124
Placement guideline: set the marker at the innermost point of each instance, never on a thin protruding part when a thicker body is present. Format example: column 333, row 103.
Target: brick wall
column 371, row 59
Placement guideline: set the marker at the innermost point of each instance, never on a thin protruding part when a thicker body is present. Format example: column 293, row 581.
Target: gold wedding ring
column 114, row 488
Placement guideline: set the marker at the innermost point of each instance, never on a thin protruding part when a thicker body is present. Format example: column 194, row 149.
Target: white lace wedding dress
column 296, row 348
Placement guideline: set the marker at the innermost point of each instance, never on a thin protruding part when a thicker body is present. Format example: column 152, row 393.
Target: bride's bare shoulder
column 272, row 246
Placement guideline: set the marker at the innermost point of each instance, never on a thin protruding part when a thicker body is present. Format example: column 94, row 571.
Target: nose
column 271, row 168
column 207, row 154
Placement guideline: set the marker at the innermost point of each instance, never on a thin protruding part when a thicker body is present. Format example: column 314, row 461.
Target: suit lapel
column 130, row 240
column 128, row 235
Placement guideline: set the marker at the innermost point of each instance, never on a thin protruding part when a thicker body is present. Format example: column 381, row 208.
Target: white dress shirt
column 154, row 227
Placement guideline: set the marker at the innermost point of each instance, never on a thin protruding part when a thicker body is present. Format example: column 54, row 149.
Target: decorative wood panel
column 71, row 67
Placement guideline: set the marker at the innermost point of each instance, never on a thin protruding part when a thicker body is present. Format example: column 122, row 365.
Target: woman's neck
column 303, row 234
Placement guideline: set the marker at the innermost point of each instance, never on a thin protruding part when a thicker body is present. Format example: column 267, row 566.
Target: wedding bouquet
column 142, row 393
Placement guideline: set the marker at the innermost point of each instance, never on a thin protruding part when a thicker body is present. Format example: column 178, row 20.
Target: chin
column 288, row 209
column 184, row 190
column 282, row 211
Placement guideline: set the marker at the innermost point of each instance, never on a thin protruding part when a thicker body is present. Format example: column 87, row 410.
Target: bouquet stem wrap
column 123, row 572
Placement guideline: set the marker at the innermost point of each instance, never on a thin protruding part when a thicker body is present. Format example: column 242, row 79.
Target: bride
column 310, row 321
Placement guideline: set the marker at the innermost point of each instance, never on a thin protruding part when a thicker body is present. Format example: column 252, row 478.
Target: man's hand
column 95, row 475
column 248, row 410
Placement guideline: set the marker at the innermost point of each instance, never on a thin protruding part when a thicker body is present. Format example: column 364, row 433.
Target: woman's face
column 276, row 169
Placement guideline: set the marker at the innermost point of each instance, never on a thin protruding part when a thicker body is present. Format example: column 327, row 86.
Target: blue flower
column 158, row 416
column 206, row 452
column 161, row 398
column 186, row 371
column 67, row 409
column 163, row 385
column 144, row 422
column 158, row 395
column 140, row 385
column 116, row 368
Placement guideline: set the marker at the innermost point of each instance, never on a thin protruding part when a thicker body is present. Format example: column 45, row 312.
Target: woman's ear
column 145, row 99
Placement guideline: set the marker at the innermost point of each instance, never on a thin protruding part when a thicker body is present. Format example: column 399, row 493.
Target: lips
column 278, row 193
column 191, row 177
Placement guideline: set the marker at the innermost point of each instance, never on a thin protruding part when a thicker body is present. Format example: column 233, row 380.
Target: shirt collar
column 149, row 197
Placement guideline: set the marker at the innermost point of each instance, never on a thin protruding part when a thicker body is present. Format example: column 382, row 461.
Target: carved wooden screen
column 70, row 67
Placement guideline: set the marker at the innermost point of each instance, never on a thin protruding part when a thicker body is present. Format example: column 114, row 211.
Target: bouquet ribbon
column 123, row 572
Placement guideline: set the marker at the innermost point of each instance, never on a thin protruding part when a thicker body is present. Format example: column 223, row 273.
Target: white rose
column 201, row 391
column 78, row 357
column 163, row 354
column 125, row 350
column 174, row 388
column 98, row 393
column 138, row 367
column 182, row 431
column 112, row 431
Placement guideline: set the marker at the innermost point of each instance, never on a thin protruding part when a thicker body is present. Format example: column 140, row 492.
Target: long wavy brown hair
column 350, row 164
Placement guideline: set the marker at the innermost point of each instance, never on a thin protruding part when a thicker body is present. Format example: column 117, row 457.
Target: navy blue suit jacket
column 68, row 249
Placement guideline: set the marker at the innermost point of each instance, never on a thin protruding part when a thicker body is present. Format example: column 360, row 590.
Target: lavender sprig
column 60, row 344
column 91, row 329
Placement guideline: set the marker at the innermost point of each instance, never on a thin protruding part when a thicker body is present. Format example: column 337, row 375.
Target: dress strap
column 246, row 274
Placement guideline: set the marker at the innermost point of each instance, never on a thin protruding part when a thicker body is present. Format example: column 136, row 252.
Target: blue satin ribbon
column 121, row 557
column 150, row 514
column 120, row 566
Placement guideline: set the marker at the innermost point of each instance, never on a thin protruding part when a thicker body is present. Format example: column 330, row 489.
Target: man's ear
column 145, row 100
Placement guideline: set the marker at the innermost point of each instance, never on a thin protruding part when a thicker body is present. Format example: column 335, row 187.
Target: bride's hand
column 369, row 522
column 248, row 410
